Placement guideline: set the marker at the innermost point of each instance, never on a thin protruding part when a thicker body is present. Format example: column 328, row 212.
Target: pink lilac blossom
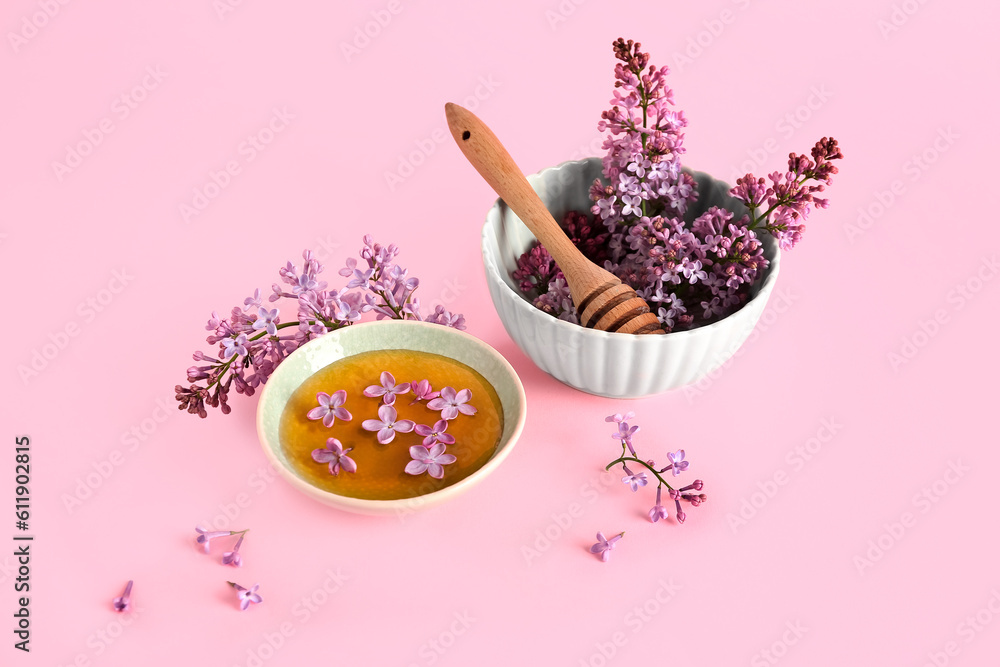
column 451, row 403
column 330, row 408
column 388, row 389
column 387, row 425
column 253, row 340
column 336, row 456
column 429, row 459
column 435, row 433
column 246, row 596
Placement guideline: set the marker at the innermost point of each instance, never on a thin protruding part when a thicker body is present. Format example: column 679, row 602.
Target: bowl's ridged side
column 612, row 365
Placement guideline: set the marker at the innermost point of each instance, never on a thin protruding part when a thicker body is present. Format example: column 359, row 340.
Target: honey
column 380, row 468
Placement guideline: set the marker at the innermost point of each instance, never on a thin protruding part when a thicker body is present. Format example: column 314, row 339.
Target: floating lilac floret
column 451, row 403
column 336, row 456
column 246, row 596
column 435, row 433
column 603, row 546
column 423, row 391
column 330, row 408
column 388, row 390
column 625, row 433
column 387, row 425
column 121, row 602
column 429, row 459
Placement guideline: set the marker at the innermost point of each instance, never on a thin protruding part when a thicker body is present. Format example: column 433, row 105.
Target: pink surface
column 850, row 516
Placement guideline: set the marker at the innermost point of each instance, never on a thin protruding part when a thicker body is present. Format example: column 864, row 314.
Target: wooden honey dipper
column 602, row 301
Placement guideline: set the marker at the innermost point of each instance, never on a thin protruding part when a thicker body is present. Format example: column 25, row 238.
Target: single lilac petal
column 404, row 425
column 317, row 413
column 466, row 409
column 371, row 424
column 342, row 414
column 415, row 467
column 385, row 435
column 374, row 390
column 348, row 464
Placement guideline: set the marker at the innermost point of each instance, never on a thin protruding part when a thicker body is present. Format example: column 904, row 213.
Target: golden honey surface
column 380, row 473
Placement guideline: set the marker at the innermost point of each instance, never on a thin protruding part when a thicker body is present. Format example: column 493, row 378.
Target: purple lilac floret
column 246, row 596
column 451, row 403
column 253, row 340
column 336, row 456
column 388, row 389
column 435, row 433
column 635, row 480
column 387, row 425
column 690, row 273
column 121, row 603
column 604, row 546
column 330, row 408
column 233, row 557
column 429, row 459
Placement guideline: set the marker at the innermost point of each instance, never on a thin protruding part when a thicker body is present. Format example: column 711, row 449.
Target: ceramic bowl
column 389, row 335
column 611, row 364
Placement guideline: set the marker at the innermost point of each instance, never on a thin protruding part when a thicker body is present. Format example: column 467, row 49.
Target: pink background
column 872, row 551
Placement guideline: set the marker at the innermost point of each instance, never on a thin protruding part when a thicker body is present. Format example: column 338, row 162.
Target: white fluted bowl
column 611, row 364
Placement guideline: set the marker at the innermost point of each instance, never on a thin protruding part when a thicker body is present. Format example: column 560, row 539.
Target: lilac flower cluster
column 691, row 274
column 636, row 480
column 253, row 340
column 429, row 456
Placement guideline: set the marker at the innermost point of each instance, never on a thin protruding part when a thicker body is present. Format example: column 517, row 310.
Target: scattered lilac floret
column 330, row 408
column 387, row 425
column 247, row 596
column 233, row 557
column 388, row 390
column 206, row 536
column 451, row 403
column 429, row 459
column 121, row 602
column 618, row 417
column 335, row 455
column 603, row 547
column 435, row 433
column 625, row 433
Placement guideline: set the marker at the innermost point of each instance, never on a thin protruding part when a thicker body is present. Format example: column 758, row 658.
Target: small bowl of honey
column 402, row 448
